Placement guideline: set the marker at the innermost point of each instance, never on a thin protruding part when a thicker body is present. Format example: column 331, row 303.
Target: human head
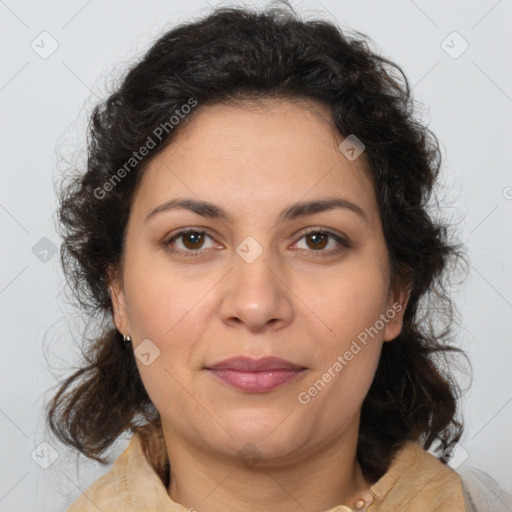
column 280, row 57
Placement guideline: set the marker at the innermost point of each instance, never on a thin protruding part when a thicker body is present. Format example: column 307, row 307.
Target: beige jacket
column 415, row 482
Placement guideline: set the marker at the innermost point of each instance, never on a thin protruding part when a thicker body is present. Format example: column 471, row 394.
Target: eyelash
column 344, row 244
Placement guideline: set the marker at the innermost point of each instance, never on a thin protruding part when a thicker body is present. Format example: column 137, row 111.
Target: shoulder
column 131, row 485
column 417, row 481
column 482, row 492
column 108, row 492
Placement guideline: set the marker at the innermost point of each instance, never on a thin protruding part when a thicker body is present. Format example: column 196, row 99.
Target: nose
column 255, row 296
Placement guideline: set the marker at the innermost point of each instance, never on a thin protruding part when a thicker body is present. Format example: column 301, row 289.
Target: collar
column 414, row 481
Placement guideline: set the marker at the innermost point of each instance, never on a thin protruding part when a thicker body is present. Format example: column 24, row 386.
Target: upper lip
column 243, row 363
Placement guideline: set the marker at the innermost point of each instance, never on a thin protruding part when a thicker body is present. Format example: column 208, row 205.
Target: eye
column 318, row 239
column 192, row 241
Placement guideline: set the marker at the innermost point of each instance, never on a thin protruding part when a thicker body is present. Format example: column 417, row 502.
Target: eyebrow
column 207, row 209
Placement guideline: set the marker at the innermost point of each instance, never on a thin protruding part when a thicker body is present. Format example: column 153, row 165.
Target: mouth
column 256, row 375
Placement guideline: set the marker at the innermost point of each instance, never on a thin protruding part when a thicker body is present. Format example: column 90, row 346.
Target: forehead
column 254, row 155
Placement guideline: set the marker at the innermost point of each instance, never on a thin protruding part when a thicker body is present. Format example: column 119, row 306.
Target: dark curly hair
column 235, row 54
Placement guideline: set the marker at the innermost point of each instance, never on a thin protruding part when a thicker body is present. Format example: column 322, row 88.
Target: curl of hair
column 234, row 54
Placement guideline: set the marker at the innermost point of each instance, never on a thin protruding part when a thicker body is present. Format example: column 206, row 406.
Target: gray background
column 44, row 102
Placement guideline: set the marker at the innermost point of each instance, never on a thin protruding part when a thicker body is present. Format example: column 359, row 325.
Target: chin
column 262, row 452
column 269, row 431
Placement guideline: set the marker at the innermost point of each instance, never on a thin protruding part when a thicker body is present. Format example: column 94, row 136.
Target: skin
column 294, row 301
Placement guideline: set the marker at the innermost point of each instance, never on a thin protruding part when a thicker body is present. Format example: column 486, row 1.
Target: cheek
column 348, row 354
column 356, row 298
column 345, row 364
column 159, row 298
column 167, row 308
column 335, row 398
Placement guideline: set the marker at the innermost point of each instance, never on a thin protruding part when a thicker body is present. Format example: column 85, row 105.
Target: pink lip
column 256, row 375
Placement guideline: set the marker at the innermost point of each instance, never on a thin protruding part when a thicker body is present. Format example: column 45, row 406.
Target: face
column 311, row 286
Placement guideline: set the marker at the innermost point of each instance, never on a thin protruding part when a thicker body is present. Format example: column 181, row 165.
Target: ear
column 397, row 302
column 119, row 314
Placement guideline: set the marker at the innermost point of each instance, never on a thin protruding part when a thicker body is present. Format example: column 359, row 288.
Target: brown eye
column 318, row 240
column 188, row 242
column 193, row 239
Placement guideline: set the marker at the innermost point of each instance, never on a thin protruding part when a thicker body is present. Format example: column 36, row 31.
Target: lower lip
column 256, row 381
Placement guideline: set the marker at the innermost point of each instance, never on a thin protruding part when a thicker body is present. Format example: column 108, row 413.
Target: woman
column 254, row 219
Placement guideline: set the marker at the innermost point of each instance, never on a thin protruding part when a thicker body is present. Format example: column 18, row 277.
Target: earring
column 127, row 340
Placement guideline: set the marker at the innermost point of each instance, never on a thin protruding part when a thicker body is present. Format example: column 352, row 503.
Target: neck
column 326, row 477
